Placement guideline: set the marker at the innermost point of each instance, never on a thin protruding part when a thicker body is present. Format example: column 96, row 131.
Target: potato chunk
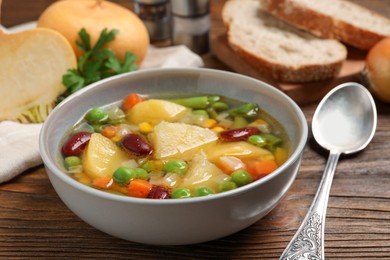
column 242, row 150
column 155, row 111
column 102, row 157
column 180, row 140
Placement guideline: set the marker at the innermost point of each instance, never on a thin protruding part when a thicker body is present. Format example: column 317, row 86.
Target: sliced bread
column 339, row 19
column 277, row 49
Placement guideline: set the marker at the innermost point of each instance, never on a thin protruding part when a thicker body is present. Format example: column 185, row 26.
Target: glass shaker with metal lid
column 191, row 24
column 156, row 15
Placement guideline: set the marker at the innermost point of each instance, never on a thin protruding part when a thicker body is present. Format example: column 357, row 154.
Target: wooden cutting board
column 301, row 93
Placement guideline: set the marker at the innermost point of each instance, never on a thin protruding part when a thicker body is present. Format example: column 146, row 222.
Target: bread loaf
column 277, row 49
column 339, row 19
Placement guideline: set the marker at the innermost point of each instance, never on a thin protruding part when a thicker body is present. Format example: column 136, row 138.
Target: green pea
column 203, row 191
column 176, row 166
column 141, row 174
column 257, row 140
column 226, row 186
column 96, row 116
column 241, row 177
column 181, row 193
column 123, row 175
column 272, row 140
column 220, row 106
column 72, row 161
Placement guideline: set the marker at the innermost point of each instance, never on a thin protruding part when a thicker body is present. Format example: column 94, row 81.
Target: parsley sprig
column 96, row 63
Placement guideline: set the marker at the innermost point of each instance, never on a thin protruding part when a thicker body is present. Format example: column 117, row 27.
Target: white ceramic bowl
column 174, row 221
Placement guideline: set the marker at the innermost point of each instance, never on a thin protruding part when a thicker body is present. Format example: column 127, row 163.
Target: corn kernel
column 218, row 129
column 116, row 138
column 145, row 127
column 83, row 178
column 260, row 122
column 158, row 164
column 210, row 122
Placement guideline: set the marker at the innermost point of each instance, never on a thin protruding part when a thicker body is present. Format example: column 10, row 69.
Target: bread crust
column 280, row 71
column 283, row 73
column 324, row 25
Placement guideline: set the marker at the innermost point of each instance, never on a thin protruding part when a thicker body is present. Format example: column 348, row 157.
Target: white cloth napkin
column 19, row 148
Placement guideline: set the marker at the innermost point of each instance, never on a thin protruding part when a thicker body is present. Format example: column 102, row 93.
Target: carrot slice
column 229, row 164
column 131, row 100
column 103, row 182
column 139, row 188
column 265, row 167
column 109, row 131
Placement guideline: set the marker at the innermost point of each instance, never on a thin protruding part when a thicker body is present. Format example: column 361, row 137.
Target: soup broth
column 173, row 148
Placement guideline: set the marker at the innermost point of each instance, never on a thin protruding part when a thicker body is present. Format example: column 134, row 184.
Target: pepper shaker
column 191, row 24
column 156, row 15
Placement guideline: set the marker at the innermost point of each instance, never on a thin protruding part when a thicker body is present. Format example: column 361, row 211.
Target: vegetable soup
column 173, row 148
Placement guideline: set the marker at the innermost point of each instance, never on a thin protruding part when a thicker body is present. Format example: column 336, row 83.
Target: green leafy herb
column 96, row 63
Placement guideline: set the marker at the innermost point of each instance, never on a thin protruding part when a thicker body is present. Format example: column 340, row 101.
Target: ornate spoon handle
column 308, row 241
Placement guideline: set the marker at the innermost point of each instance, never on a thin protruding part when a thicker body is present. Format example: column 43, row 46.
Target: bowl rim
column 54, row 169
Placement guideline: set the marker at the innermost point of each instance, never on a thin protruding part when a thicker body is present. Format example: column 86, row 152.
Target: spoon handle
column 308, row 241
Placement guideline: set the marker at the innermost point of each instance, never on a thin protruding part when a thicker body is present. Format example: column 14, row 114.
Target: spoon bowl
column 345, row 119
column 344, row 122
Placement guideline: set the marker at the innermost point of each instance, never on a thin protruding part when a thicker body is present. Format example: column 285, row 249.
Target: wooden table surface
column 35, row 223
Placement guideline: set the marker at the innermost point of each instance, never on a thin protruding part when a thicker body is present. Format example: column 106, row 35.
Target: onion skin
column 377, row 70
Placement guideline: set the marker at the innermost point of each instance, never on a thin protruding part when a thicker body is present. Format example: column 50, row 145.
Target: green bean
column 272, row 140
column 257, row 140
column 200, row 112
column 196, row 102
column 147, row 166
column 268, row 140
column 212, row 112
column 213, row 99
column 220, row 106
column 246, row 110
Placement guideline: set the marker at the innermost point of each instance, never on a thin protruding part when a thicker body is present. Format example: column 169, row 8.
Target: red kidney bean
column 158, row 192
column 238, row 134
column 136, row 145
column 76, row 143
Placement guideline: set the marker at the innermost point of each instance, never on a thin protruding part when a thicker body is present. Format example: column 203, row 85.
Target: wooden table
column 35, row 223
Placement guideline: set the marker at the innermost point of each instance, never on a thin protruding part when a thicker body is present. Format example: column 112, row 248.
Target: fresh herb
column 96, row 63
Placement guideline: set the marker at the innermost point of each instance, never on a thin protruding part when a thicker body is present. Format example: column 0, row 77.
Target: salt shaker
column 156, row 15
column 191, row 24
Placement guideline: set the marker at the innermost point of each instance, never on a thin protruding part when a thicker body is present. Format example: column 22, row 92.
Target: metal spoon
column 344, row 123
